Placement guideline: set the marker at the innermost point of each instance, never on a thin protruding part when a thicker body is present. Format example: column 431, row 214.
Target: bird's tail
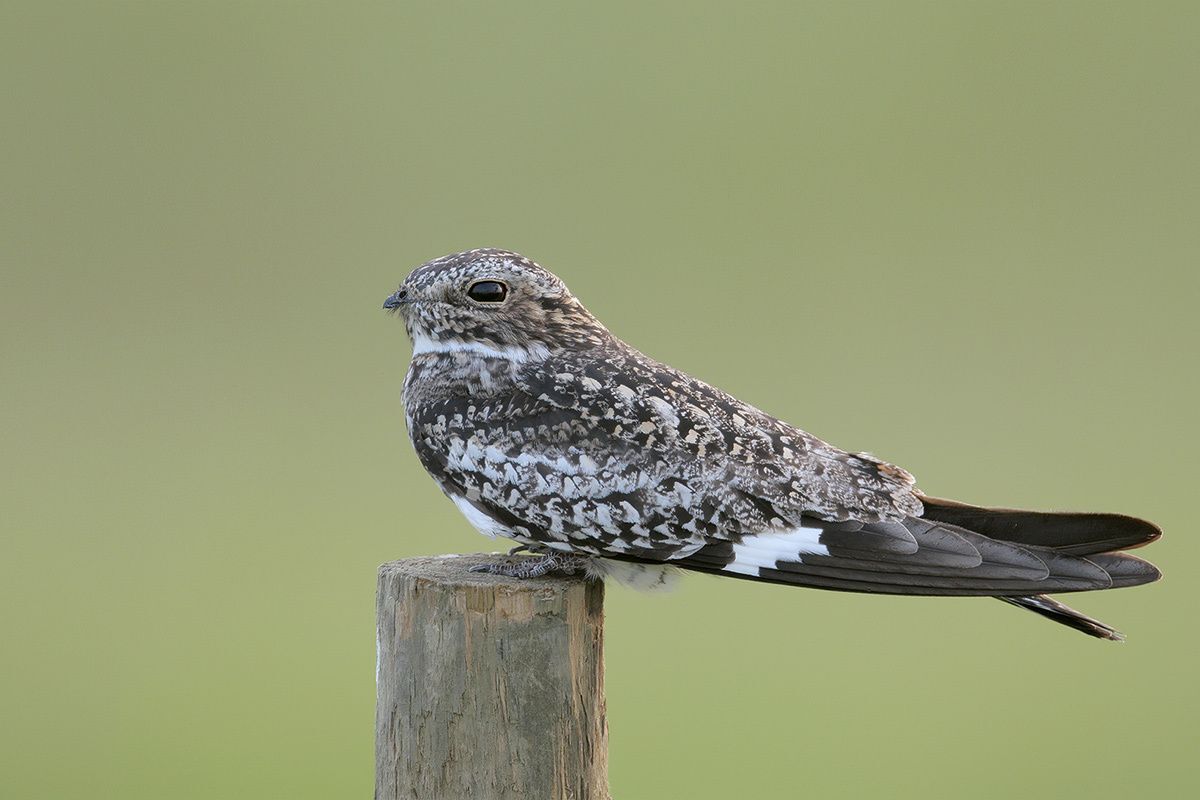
column 1077, row 534
column 952, row 550
column 1061, row 613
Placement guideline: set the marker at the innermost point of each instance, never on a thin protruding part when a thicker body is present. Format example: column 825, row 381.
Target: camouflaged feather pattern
column 543, row 427
column 606, row 451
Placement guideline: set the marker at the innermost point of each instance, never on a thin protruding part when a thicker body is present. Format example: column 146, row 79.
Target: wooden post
column 488, row 687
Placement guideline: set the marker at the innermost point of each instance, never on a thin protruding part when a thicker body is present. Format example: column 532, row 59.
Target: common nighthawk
column 545, row 428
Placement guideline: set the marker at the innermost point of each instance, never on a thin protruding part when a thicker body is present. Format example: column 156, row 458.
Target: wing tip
column 1076, row 533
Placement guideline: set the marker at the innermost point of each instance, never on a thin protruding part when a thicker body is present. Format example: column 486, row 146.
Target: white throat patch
column 424, row 345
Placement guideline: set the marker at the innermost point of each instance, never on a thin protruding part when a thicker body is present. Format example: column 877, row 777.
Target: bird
column 543, row 427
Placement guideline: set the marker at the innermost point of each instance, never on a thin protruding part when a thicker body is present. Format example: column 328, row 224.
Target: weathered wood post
column 488, row 687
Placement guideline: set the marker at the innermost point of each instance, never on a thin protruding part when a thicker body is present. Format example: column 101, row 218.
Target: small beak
column 396, row 299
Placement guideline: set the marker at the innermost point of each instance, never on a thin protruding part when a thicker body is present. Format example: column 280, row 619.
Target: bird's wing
column 774, row 503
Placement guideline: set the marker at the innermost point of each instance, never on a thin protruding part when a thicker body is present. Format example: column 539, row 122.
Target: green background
column 960, row 235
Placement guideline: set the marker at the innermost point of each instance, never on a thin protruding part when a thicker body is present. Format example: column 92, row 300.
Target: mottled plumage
column 545, row 428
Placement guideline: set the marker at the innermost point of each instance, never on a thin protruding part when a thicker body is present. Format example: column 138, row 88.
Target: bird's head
column 493, row 302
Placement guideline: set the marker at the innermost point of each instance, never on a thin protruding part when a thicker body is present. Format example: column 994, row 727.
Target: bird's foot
column 535, row 566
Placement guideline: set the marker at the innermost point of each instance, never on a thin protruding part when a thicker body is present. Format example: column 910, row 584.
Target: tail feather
column 1052, row 609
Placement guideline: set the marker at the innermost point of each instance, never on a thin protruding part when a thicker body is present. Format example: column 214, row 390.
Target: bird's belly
column 483, row 523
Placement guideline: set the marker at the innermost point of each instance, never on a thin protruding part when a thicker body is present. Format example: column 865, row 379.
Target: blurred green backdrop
column 960, row 235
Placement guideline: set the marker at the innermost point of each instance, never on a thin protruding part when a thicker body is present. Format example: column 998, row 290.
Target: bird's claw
column 533, row 566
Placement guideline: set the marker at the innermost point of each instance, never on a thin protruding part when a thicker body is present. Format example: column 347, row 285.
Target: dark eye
column 487, row 291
